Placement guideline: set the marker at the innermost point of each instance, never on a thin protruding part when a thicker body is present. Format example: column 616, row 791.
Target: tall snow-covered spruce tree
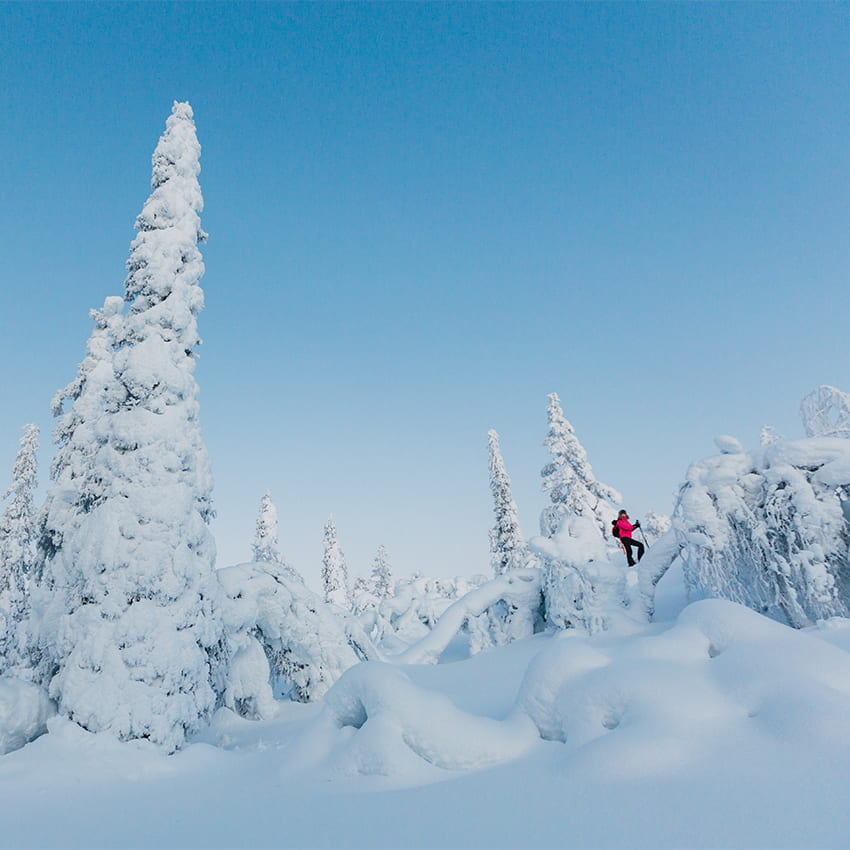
column 507, row 546
column 17, row 551
column 139, row 648
column 334, row 570
column 569, row 480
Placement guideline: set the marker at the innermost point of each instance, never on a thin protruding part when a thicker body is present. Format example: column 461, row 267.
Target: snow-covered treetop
column 265, row 539
column 507, row 545
column 826, row 413
column 767, row 437
column 382, row 578
column 24, row 471
column 164, row 257
column 568, row 477
column 334, row 570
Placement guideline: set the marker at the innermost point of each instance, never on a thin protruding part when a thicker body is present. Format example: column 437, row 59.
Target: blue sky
column 424, row 218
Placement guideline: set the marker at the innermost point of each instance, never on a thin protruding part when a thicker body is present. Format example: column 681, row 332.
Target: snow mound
column 630, row 707
column 720, row 669
column 390, row 713
column 24, row 711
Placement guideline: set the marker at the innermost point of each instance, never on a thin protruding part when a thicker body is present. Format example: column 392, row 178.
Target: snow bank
column 390, row 713
column 719, row 667
column 629, row 705
column 24, row 711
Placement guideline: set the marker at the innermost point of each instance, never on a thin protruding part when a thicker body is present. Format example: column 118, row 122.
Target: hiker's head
column 623, row 515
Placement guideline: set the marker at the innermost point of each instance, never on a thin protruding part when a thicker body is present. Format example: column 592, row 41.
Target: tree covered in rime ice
column 584, row 582
column 334, row 571
column 17, row 550
column 769, row 529
column 568, row 478
column 826, row 413
column 265, row 539
column 507, row 546
column 139, row 648
column 382, row 576
column 286, row 641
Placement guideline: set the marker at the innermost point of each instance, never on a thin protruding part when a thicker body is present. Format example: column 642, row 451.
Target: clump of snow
column 770, row 529
column 728, row 445
column 24, row 711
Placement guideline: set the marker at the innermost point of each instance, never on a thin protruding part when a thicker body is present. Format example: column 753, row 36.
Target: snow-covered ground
column 716, row 728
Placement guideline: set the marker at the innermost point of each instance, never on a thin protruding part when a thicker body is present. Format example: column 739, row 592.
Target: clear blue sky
column 423, row 219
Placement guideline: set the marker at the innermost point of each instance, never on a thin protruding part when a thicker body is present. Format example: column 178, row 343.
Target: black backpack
column 615, row 529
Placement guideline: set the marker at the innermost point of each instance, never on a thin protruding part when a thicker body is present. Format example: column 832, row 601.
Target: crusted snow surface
column 720, row 728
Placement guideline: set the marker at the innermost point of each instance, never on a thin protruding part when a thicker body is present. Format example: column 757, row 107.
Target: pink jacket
column 626, row 528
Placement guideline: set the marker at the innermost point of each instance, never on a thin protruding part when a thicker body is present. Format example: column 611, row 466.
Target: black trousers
column 628, row 543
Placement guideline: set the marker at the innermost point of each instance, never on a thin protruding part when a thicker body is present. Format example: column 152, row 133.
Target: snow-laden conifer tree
column 569, row 480
column 334, row 571
column 265, row 539
column 382, row 575
column 770, row 529
column 507, row 546
column 17, row 550
column 139, row 651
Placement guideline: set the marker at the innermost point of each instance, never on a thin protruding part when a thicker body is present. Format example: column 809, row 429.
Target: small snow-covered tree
column 655, row 525
column 568, row 478
column 507, row 546
column 17, row 548
column 382, row 576
column 140, row 650
column 334, row 570
column 826, row 413
column 766, row 435
column 265, row 539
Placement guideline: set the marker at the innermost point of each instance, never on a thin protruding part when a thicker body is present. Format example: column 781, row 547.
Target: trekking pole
column 646, row 542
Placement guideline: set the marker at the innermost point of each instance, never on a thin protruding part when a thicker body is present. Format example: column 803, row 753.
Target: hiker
column 624, row 531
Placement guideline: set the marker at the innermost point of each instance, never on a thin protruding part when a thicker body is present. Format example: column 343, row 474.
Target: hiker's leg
column 627, row 545
column 639, row 548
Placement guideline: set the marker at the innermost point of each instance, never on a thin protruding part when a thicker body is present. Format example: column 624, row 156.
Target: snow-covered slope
column 721, row 728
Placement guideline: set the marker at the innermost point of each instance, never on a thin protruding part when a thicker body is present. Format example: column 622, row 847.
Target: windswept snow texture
column 722, row 729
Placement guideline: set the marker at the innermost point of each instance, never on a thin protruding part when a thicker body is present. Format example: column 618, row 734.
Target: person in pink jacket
column 626, row 528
